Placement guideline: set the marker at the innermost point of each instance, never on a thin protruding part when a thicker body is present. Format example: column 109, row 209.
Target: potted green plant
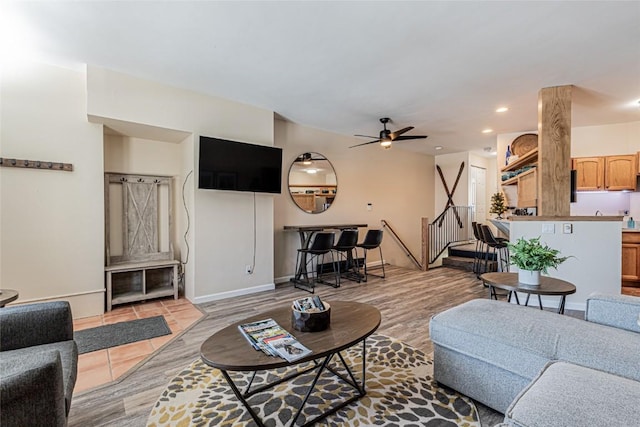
column 498, row 205
column 532, row 257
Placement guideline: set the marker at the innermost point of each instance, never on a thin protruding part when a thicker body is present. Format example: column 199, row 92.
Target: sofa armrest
column 619, row 311
column 35, row 324
column 32, row 390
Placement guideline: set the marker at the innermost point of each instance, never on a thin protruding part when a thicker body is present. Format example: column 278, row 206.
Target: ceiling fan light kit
column 386, row 137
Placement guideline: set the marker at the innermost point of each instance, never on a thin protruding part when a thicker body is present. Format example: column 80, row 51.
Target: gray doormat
column 106, row 336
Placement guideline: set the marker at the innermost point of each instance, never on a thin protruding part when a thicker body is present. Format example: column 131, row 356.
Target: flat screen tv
column 238, row 166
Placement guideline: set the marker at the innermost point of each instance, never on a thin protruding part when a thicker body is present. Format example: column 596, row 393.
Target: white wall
column 51, row 223
column 221, row 221
column 399, row 185
column 596, row 248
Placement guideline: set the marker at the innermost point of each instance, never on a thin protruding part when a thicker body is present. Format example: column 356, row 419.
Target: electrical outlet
column 369, row 206
column 248, row 269
column 567, row 228
column 548, row 228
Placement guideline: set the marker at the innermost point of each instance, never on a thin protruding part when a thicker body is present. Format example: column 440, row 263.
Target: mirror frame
column 333, row 193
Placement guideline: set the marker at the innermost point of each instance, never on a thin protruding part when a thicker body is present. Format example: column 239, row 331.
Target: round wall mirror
column 312, row 182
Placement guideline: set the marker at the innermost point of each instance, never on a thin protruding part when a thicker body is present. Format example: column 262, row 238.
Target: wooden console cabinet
column 139, row 266
column 141, row 281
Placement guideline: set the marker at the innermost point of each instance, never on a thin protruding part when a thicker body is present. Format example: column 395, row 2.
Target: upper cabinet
column 589, row 173
column 612, row 173
column 620, row 172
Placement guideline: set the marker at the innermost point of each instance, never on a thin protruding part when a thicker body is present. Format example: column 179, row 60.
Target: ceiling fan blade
column 407, row 137
column 397, row 133
column 365, row 143
column 366, row 136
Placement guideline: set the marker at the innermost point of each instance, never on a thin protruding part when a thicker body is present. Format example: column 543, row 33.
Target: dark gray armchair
column 38, row 364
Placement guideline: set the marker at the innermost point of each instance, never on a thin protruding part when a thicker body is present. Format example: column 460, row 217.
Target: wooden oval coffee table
column 548, row 286
column 351, row 323
column 7, row 296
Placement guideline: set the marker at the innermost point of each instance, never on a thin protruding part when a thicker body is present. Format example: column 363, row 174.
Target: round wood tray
column 524, row 143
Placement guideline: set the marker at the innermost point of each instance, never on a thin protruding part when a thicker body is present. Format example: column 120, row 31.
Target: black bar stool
column 372, row 240
column 499, row 246
column 344, row 250
column 479, row 250
column 322, row 245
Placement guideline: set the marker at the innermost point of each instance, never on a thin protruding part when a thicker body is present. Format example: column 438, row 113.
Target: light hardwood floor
column 406, row 298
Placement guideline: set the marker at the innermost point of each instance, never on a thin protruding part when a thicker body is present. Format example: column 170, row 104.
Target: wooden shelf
column 526, row 159
column 141, row 281
column 127, row 297
column 514, row 180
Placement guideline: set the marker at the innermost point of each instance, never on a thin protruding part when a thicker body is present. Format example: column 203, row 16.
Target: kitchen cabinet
column 630, row 259
column 611, row 173
column 525, row 182
column 620, row 172
column 638, row 165
column 589, row 173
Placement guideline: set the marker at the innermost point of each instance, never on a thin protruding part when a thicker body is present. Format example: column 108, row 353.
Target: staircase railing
column 451, row 226
column 404, row 247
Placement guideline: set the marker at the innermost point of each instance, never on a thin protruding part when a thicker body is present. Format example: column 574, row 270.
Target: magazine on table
column 309, row 304
column 255, row 332
column 289, row 348
column 263, row 333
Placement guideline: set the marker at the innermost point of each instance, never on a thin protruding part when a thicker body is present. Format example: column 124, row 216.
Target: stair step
column 461, row 263
column 464, row 263
column 469, row 251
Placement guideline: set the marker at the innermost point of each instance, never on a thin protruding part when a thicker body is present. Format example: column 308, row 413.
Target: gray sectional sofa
column 537, row 367
column 38, row 364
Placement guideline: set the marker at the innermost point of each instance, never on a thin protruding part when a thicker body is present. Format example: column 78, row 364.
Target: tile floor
column 103, row 366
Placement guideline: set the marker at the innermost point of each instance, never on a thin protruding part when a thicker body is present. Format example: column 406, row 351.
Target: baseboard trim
column 370, row 265
column 235, row 293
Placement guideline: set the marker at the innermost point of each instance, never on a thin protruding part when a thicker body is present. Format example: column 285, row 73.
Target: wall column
column 554, row 151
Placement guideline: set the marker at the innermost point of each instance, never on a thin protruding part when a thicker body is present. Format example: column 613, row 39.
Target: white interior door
column 478, row 193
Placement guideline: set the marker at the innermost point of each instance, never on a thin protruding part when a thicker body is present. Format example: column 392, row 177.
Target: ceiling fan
column 386, row 136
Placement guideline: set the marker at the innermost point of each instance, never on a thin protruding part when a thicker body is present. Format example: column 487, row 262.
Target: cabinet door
column 528, row 189
column 631, row 261
column 620, row 172
column 589, row 173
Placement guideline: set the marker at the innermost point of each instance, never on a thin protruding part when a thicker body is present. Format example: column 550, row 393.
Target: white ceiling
column 443, row 67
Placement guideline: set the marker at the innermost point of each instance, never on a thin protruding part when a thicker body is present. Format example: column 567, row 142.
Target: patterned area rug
column 400, row 392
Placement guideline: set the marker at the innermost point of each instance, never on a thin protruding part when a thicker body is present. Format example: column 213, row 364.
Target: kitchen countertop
column 631, row 230
column 564, row 218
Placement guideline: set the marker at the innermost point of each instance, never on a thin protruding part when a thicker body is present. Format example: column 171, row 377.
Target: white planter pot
column 529, row 277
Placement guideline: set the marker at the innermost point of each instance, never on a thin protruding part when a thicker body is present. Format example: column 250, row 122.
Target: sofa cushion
column 514, row 338
column 68, row 356
column 565, row 394
column 522, row 340
column 621, row 311
column 31, row 389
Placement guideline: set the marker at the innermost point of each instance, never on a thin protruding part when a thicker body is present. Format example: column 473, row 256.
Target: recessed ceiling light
column 502, row 110
column 438, row 147
column 487, row 130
